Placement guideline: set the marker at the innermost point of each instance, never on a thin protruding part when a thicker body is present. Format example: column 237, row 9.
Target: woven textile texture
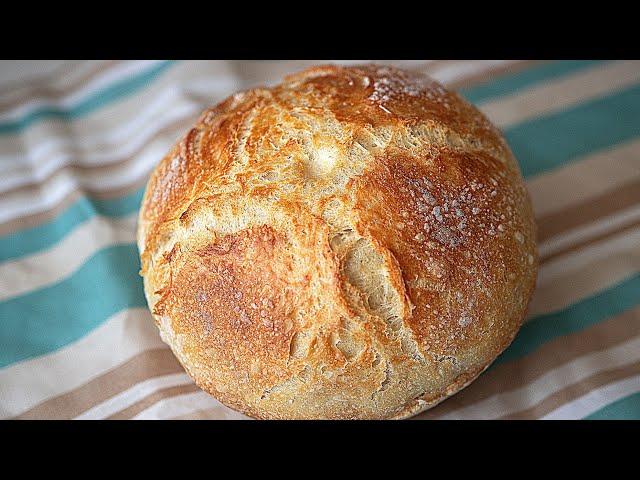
column 76, row 148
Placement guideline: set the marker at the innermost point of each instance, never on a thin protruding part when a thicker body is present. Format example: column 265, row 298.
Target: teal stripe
column 41, row 237
column 512, row 83
column 627, row 408
column 547, row 142
column 577, row 317
column 49, row 318
column 95, row 101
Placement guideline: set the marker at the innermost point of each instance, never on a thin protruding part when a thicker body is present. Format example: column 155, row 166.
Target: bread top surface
column 352, row 243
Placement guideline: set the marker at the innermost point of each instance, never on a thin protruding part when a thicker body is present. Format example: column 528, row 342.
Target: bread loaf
column 351, row 243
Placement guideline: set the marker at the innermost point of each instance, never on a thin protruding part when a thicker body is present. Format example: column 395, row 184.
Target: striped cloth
column 77, row 341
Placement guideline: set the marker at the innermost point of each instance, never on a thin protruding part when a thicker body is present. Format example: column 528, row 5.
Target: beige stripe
column 168, row 135
column 472, row 68
column 595, row 400
column 562, row 93
column 39, row 218
column 498, row 70
column 572, row 392
column 589, row 177
column 30, row 221
column 253, row 74
column 152, row 363
column 198, row 83
column 587, row 241
column 45, row 87
column 566, row 280
column 586, row 212
column 65, row 73
column 29, row 382
column 152, row 399
column 183, row 404
column 451, row 72
column 568, row 374
column 509, row 376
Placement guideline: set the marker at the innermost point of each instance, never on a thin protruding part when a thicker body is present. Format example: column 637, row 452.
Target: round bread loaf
column 352, row 243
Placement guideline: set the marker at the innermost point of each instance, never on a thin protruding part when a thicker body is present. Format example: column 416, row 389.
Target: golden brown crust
column 352, row 243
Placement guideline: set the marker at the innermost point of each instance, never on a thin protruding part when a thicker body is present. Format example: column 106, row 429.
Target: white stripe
column 22, row 203
column 14, row 175
column 588, row 177
column 134, row 394
column 451, row 71
column 506, row 403
column 160, row 107
column 34, row 271
column 569, row 278
column 173, row 102
column 200, row 414
column 458, row 71
column 26, row 384
column 173, row 105
column 64, row 73
column 110, row 76
column 19, row 204
column 595, row 400
column 559, row 267
column 114, row 118
column 187, row 403
column 583, row 233
column 562, row 93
